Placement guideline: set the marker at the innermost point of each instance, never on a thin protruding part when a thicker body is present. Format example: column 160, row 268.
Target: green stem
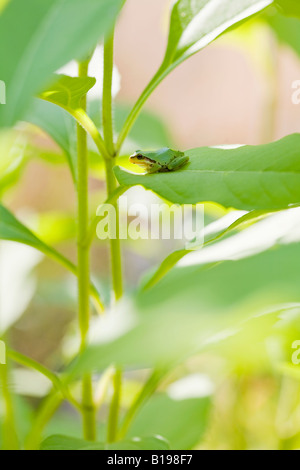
column 115, row 247
column 10, row 438
column 83, row 255
column 107, row 117
column 56, row 382
column 89, row 126
column 133, row 115
column 47, row 409
column 113, row 421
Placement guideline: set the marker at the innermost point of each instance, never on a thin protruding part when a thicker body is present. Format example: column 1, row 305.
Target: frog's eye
column 140, row 157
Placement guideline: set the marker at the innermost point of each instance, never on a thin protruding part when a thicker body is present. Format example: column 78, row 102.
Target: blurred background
column 237, row 91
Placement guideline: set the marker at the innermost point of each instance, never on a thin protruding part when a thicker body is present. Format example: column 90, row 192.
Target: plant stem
column 152, row 85
column 107, row 93
column 113, row 421
column 45, row 413
column 115, row 247
column 88, row 408
column 10, row 438
column 56, row 382
column 89, row 126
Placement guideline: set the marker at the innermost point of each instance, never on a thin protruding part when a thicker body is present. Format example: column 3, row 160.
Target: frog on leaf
column 159, row 161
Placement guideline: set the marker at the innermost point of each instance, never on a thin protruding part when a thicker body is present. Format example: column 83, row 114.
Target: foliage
column 237, row 297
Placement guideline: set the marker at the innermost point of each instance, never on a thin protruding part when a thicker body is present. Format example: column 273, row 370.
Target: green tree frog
column 159, row 161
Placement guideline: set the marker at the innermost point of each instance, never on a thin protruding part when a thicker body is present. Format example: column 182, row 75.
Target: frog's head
column 141, row 159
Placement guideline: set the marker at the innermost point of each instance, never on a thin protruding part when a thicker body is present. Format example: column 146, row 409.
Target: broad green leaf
column 38, row 37
column 13, row 230
column 191, row 305
column 265, row 177
column 182, row 422
column 67, row 92
column 196, row 23
column 289, row 7
column 57, row 442
column 59, row 125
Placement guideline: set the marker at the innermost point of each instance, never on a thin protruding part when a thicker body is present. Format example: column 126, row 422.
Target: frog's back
column 163, row 156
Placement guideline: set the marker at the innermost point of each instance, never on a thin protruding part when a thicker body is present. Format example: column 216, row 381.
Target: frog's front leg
column 155, row 168
column 177, row 163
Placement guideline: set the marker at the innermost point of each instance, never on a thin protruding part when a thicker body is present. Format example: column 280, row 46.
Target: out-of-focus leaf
column 191, row 305
column 67, row 443
column 256, row 283
column 13, row 157
column 59, row 125
column 17, row 264
column 58, row 442
column 171, row 260
column 196, row 23
column 38, row 37
column 181, row 422
column 13, row 230
column 265, row 177
column 286, row 29
column 289, row 7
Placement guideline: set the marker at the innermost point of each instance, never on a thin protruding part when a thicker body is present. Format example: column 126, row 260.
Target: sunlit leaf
column 67, row 92
column 196, row 23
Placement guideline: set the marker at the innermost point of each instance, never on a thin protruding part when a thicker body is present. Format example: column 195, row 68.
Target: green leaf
column 181, row 422
column 57, row 442
column 59, row 125
column 289, row 7
column 286, row 29
column 265, row 177
column 13, row 230
column 38, row 37
column 67, row 92
column 13, row 157
column 172, row 259
column 196, row 23
column 250, row 285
